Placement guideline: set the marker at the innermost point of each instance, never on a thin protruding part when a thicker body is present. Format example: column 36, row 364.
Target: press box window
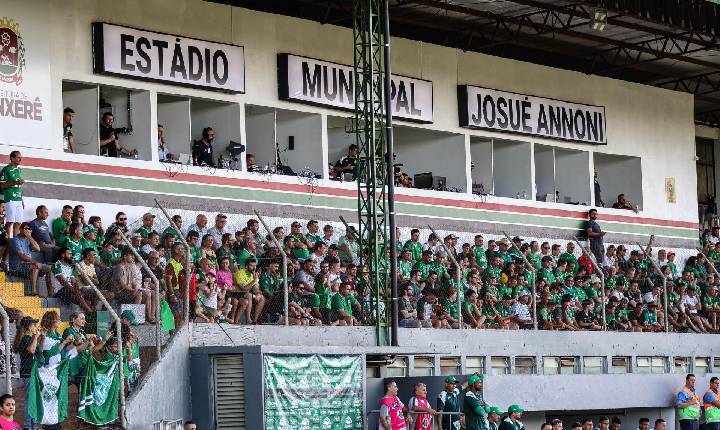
column 559, row 365
column 650, row 365
column 449, row 365
column 681, row 364
column 702, row 365
column 620, row 365
column 477, row 365
column 524, row 365
column 593, row 365
column 424, row 366
column 398, row 368
column 500, row 365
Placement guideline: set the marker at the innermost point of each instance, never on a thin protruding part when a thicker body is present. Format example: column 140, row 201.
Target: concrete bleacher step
column 11, row 289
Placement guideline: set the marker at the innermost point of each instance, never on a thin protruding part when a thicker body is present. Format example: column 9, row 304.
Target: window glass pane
column 619, row 365
column 702, row 364
column 474, row 364
column 551, row 365
column 681, row 364
column 398, row 368
column 525, row 365
column 593, row 365
column 449, row 365
column 499, row 365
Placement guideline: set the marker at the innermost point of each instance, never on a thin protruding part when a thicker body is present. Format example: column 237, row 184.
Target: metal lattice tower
column 369, row 126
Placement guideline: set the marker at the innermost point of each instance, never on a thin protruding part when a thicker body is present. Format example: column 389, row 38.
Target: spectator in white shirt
column 610, row 259
column 218, row 231
column 521, row 311
column 200, row 225
column 714, row 235
column 432, row 244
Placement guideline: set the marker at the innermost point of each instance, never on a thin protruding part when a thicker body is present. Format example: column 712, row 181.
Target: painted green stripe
column 320, row 200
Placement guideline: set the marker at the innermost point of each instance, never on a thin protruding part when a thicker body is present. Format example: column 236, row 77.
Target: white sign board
column 517, row 113
column 311, row 81
column 25, row 119
column 168, row 58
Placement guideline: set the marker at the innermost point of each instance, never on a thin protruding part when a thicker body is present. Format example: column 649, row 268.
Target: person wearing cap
column 521, row 312
column 503, row 252
column 494, row 417
column 147, row 227
column 512, row 421
column 475, row 415
column 449, row 401
column 89, row 239
column 515, row 250
column 26, row 346
column 301, row 245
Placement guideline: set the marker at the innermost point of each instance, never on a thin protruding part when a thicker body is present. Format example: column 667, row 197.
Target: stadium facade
column 281, row 79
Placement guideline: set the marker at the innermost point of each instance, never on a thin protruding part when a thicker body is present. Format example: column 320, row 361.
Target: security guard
column 711, row 403
column 475, row 415
column 688, row 405
column 449, row 401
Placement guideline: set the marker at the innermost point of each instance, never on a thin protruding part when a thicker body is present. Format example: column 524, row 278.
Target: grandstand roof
column 666, row 43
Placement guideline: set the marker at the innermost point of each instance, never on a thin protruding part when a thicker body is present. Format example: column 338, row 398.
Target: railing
column 435, row 418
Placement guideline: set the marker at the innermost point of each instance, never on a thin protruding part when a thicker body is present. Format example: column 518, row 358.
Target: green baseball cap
column 451, row 380
column 493, row 410
column 514, row 409
column 473, row 379
column 90, row 229
column 129, row 315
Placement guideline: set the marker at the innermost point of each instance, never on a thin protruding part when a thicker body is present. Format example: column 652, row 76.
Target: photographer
column 109, row 144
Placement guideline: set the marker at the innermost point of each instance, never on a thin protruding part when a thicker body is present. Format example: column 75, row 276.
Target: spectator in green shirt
column 60, row 226
column 414, row 245
column 342, row 307
column 569, row 256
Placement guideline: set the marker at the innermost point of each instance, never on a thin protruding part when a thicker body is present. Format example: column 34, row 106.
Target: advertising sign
column 313, row 392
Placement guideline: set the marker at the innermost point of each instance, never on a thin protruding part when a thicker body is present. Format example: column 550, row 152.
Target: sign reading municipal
column 167, row 58
column 517, row 113
column 311, row 81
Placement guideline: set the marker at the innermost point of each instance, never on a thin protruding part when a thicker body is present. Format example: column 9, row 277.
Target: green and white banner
column 313, row 392
column 48, row 389
column 100, row 391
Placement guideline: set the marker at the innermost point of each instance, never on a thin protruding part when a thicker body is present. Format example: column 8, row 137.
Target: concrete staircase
column 12, row 294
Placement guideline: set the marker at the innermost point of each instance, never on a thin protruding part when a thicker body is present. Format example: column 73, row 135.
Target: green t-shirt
column 415, row 249
column 110, row 258
column 502, row 310
column 313, row 238
column 340, row 303
column 145, row 232
column 270, row 283
column 451, row 308
column 570, row 258
column 11, row 174
column 480, row 257
column 77, row 364
column 424, row 269
column 546, row 274
column 469, row 308
column 75, row 247
column 171, row 230
column 475, row 415
column 244, row 256
column 85, row 244
column 440, row 269
column 323, row 294
column 492, row 270
column 300, row 253
column 58, row 225
column 405, row 268
column 649, row 317
column 707, row 300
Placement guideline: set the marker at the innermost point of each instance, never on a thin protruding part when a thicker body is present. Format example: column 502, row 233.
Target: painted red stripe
column 340, row 192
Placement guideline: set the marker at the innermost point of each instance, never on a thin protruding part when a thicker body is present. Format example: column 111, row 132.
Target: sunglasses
column 122, row 219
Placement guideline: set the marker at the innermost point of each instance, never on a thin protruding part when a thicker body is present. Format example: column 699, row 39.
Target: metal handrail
column 458, row 275
column 601, row 274
column 534, row 283
column 284, row 264
column 118, row 330
column 158, row 320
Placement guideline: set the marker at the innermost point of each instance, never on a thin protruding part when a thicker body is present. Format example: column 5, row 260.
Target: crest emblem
column 12, row 52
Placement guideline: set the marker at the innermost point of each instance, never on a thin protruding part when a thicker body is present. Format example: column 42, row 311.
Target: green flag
column 48, row 388
column 166, row 316
column 100, row 391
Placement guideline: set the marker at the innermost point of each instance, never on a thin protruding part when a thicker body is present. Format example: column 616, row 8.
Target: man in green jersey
column 11, row 183
column 475, row 415
column 512, row 421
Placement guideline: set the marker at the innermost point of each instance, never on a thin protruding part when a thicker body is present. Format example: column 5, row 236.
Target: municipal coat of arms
column 12, row 52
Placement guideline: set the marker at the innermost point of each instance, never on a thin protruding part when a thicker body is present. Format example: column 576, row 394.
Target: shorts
column 14, row 211
column 124, row 296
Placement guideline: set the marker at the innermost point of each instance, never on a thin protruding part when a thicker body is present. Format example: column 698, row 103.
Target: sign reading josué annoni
column 517, row 113
column 168, row 58
column 311, row 81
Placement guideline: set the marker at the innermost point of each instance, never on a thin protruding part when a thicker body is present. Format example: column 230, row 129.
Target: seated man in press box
column 109, row 143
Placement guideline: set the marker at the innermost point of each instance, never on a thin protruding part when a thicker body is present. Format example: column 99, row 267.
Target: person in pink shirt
column 7, row 411
column 224, row 275
column 392, row 410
